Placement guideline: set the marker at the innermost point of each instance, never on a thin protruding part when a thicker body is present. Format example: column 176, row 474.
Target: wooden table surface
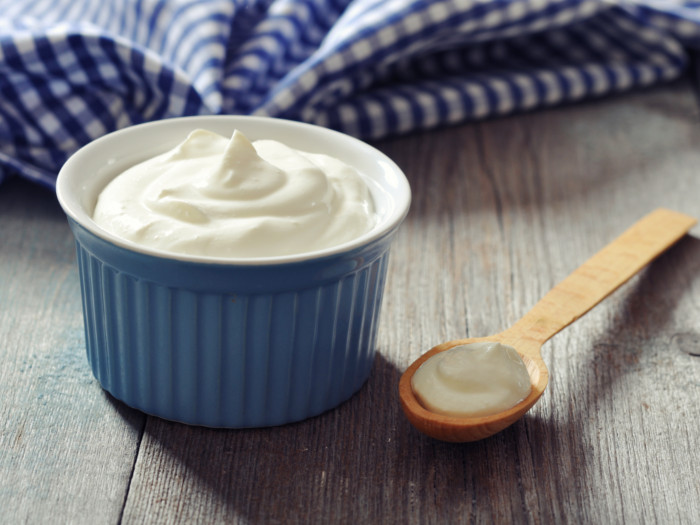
column 502, row 211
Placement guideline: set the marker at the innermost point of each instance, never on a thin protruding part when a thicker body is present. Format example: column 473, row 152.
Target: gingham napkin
column 73, row 70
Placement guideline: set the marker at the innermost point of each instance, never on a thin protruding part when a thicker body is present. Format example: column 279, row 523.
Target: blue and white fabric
column 73, row 70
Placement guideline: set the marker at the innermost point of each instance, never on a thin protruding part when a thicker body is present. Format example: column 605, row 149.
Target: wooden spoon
column 597, row 278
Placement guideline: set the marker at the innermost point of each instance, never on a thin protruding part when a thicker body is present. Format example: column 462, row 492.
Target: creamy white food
column 220, row 197
column 473, row 380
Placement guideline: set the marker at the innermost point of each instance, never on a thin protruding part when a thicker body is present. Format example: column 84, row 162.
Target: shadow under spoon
column 592, row 282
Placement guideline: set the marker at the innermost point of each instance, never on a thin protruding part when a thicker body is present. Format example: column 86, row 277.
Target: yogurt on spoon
column 472, row 380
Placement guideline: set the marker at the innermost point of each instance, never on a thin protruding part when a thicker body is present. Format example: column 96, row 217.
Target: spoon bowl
column 592, row 282
column 463, row 429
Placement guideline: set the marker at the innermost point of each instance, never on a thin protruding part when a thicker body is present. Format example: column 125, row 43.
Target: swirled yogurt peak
column 220, row 197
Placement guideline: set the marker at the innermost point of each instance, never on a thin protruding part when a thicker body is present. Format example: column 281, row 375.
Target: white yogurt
column 231, row 198
column 473, row 380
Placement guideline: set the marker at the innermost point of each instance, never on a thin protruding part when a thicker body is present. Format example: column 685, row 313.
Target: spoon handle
column 599, row 276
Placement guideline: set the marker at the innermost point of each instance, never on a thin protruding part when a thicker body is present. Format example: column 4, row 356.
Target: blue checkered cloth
column 73, row 70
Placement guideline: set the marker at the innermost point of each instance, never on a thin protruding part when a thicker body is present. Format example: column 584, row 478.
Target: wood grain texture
column 502, row 211
column 66, row 450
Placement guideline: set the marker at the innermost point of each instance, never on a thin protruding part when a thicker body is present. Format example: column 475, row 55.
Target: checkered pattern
column 72, row 70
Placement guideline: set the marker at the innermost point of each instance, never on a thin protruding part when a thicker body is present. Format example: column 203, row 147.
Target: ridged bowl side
column 227, row 359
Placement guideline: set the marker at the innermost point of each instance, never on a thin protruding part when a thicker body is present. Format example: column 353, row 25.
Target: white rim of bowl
column 401, row 196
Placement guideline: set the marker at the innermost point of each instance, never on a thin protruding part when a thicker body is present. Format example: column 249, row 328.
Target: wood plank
column 66, row 450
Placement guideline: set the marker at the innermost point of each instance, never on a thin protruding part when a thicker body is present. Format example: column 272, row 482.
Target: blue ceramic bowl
column 225, row 342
